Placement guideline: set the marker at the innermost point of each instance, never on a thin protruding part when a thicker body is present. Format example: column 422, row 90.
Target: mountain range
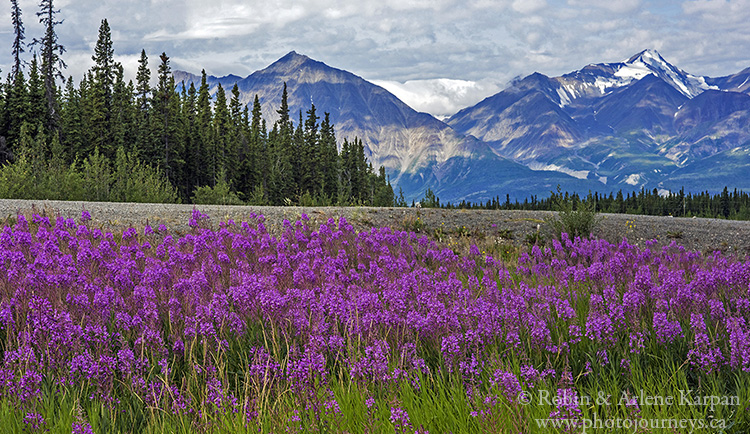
column 640, row 123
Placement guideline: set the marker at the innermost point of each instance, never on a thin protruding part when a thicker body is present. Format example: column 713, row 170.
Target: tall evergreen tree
column 235, row 107
column 144, row 138
column 16, row 110
column 222, row 137
column 329, row 160
column 52, row 64
column 257, row 160
column 345, row 174
column 71, row 124
column 313, row 154
column 298, row 158
column 238, row 139
column 123, row 114
column 36, row 110
column 166, row 156
column 104, row 72
column 105, row 67
column 190, row 136
column 282, row 177
column 204, row 142
column 143, row 82
column 18, row 37
column 92, row 117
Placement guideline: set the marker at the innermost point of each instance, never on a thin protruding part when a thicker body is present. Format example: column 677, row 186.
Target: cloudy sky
column 437, row 55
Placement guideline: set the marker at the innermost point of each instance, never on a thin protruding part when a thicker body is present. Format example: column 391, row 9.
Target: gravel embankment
column 506, row 226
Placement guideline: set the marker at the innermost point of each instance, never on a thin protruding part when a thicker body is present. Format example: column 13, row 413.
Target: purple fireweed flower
column 666, row 331
column 603, row 358
column 567, row 404
column 717, row 310
column 34, row 421
column 81, row 428
column 530, row 375
column 400, row 419
column 739, row 343
column 508, row 383
column 221, row 399
column 587, row 369
column 374, row 364
column 29, row 387
column 599, row 327
column 370, row 403
column 625, row 365
column 180, row 402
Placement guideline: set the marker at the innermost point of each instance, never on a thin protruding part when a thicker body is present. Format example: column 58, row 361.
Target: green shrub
column 134, row 181
column 258, row 196
column 576, row 219
column 93, row 179
column 219, row 194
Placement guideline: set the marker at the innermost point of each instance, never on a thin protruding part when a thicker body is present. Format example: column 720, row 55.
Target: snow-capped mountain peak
column 648, row 56
column 650, row 62
column 596, row 80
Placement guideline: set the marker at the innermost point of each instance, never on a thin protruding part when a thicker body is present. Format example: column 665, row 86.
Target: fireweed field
column 229, row 329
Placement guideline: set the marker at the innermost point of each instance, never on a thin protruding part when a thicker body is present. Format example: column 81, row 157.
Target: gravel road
column 704, row 235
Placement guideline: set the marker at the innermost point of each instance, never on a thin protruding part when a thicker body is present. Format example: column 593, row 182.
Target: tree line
column 729, row 204
column 105, row 138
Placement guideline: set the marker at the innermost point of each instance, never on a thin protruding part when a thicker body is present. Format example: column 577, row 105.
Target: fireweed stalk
column 231, row 329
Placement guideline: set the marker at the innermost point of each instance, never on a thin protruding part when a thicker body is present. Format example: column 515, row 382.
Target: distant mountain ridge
column 632, row 123
column 638, row 123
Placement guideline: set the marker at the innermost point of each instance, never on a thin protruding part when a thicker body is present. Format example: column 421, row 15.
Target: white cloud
column 441, row 97
column 617, row 6
column 529, row 6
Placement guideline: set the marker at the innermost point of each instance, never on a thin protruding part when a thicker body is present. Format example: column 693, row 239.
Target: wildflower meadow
column 233, row 328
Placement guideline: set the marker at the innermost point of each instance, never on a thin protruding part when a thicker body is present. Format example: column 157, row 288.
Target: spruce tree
column 52, row 64
column 91, row 114
column 70, row 122
column 37, row 113
column 144, row 138
column 189, row 126
column 257, row 160
column 222, row 140
column 123, row 112
column 18, row 37
column 313, row 181
column 104, row 72
column 383, row 191
column 281, row 185
column 143, row 83
column 298, row 159
column 362, row 169
column 330, row 165
column 238, row 146
column 345, row 174
column 105, row 67
column 167, row 152
column 235, row 107
column 204, row 143
column 16, row 111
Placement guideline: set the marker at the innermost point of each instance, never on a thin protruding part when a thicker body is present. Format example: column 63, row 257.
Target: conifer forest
column 106, row 139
